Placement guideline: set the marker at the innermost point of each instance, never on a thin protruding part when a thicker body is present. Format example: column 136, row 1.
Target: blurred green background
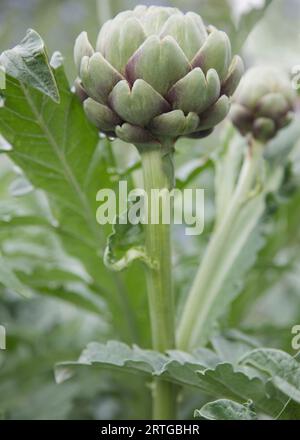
column 44, row 330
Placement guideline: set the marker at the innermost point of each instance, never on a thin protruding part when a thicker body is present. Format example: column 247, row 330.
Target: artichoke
column 156, row 74
column 263, row 103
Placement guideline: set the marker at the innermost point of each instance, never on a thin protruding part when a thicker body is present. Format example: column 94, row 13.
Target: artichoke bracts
column 263, row 103
column 156, row 73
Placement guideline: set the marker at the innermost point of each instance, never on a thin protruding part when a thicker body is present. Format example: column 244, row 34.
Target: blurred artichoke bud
column 263, row 103
column 157, row 73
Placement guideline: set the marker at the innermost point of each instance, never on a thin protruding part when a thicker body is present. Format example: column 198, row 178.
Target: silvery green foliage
column 156, row 73
column 225, row 409
column 267, row 379
column 264, row 103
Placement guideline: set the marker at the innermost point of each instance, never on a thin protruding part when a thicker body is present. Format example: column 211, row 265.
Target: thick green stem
column 209, row 278
column 156, row 164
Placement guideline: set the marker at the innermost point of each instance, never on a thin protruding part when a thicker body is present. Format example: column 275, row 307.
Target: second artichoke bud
column 263, row 103
column 156, row 73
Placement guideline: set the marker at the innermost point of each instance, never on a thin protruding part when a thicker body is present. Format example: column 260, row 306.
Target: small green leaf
column 28, row 62
column 224, row 409
column 125, row 244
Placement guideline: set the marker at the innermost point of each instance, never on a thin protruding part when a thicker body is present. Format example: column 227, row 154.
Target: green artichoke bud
column 156, row 73
column 263, row 103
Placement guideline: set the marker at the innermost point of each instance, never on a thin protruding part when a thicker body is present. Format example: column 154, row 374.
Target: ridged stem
column 157, row 172
column 204, row 293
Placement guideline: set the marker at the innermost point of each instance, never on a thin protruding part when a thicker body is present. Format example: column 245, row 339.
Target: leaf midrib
column 60, row 155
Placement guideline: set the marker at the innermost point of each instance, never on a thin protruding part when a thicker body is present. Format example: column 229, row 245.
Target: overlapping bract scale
column 156, row 72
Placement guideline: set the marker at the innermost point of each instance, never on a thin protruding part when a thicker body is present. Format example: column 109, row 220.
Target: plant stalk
column 205, row 288
column 157, row 164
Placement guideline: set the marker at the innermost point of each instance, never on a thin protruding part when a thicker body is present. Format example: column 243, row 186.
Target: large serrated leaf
column 118, row 355
column 57, row 149
column 114, row 354
column 28, row 63
column 46, row 138
column 201, row 369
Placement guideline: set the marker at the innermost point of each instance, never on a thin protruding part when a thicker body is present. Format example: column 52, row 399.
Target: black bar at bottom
column 90, row 430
